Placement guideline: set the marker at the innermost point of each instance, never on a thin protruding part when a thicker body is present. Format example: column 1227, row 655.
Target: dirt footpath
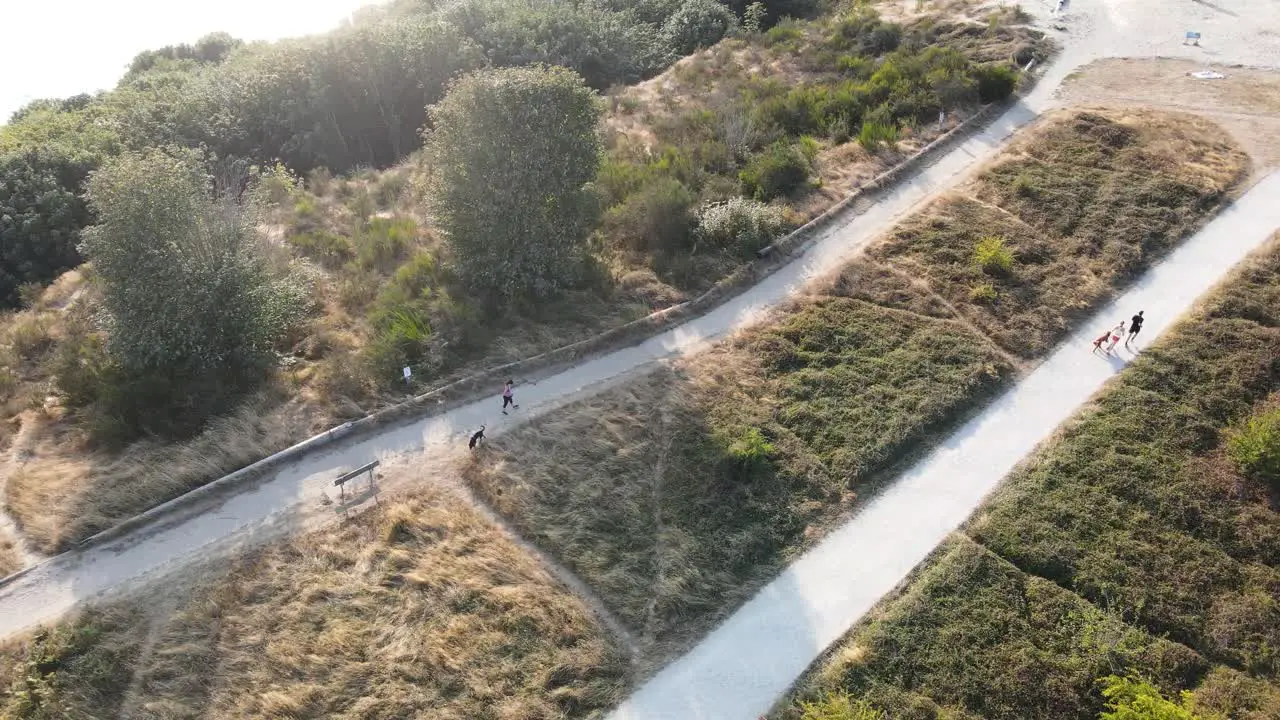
column 1246, row 102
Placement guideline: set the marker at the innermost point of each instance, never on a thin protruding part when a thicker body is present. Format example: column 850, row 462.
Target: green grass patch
column 1131, row 547
column 75, row 671
column 1139, row 509
column 974, row 637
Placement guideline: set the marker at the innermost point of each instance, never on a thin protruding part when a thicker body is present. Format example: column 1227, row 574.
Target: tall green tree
column 192, row 307
column 40, row 220
column 512, row 152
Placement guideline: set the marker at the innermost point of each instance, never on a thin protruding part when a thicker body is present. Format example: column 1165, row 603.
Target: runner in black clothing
column 1134, row 327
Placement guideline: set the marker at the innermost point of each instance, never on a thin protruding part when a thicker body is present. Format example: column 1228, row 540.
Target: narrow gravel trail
column 748, row 662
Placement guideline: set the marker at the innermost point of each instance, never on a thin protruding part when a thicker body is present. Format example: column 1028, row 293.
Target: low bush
column 983, row 293
column 873, row 134
column 779, row 170
column 751, row 451
column 29, row 335
column 785, row 32
column 863, row 32
column 324, row 247
column 996, row 81
column 83, row 663
column 740, row 224
column 306, row 212
column 1255, row 447
column 992, row 255
column 1134, row 698
column 657, row 218
column 382, row 242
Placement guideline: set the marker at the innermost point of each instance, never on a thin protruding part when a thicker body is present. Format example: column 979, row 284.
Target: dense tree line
column 354, row 97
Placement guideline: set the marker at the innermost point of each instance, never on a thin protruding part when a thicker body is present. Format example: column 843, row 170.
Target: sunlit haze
column 58, row 48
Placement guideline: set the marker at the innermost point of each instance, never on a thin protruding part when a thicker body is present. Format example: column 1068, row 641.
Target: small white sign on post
column 407, row 374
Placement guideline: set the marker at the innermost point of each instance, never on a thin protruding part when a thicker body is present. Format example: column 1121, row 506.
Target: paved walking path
column 751, row 660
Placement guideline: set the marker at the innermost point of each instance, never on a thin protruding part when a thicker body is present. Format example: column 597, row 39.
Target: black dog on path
column 477, row 438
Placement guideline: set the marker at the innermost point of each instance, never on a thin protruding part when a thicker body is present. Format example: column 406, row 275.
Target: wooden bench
column 342, row 480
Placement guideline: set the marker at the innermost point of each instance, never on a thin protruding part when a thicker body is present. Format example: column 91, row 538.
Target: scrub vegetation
column 679, row 494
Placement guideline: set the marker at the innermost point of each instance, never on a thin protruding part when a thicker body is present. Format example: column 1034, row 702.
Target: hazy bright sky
column 58, row 48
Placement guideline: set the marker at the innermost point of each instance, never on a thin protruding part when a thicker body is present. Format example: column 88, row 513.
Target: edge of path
column 466, row 390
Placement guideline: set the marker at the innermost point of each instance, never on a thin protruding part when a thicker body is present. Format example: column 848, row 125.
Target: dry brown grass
column 9, row 560
column 1084, row 201
column 417, row 608
column 1246, row 103
column 63, row 490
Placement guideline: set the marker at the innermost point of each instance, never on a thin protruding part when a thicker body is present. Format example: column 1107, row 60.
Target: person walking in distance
column 508, row 397
column 1134, row 326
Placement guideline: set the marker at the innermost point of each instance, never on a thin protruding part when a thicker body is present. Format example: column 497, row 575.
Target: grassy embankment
column 785, row 107
column 678, row 495
column 1132, row 543
column 418, row 608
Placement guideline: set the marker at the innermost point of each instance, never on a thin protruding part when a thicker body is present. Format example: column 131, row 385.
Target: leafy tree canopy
column 513, row 150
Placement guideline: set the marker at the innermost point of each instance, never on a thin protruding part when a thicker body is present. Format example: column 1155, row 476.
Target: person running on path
column 1117, row 332
column 508, row 397
column 1135, row 325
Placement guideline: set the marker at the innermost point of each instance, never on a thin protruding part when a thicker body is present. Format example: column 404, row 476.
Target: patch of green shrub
column 785, row 32
column 1024, row 186
column 779, row 170
column 862, row 31
column 324, row 247
column 983, row 293
column 697, row 24
column 306, row 213
column 751, row 451
column 656, row 218
column 741, row 224
column 874, row 134
column 992, row 255
column 382, row 242
column 74, row 667
column 996, row 81
column 1135, row 698
column 1255, row 447
column 839, row 706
